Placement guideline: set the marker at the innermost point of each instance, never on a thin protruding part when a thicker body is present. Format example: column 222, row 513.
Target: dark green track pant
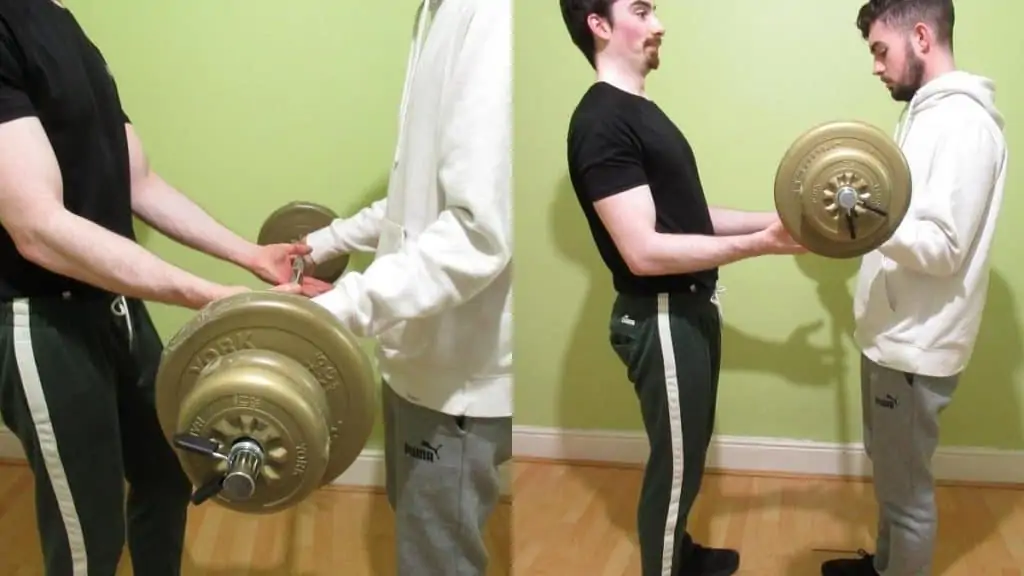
column 76, row 387
column 671, row 346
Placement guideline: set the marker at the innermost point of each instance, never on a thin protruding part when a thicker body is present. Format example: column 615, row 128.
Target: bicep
column 629, row 217
column 30, row 179
column 960, row 184
column 137, row 161
column 610, row 173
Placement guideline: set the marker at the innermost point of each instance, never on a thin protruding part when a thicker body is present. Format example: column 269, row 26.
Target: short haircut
column 906, row 13
column 575, row 14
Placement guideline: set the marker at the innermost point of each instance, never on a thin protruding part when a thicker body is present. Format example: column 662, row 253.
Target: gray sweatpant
column 443, row 482
column 901, row 433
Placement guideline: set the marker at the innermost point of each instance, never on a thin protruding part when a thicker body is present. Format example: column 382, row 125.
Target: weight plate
column 290, row 325
column 842, row 189
column 292, row 222
column 270, row 400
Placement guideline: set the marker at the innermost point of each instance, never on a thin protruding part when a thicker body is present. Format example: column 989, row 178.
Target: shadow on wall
column 986, row 409
column 831, row 278
column 590, row 370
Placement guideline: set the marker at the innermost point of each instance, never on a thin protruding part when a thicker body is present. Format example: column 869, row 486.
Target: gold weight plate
column 293, row 326
column 268, row 398
column 842, row 164
column 295, row 220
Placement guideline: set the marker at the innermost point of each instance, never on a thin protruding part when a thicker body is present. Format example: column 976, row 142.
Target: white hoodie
column 438, row 295
column 920, row 296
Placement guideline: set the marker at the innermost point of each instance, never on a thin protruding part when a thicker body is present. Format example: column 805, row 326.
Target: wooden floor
column 569, row 520
column 336, row 532
column 581, row 520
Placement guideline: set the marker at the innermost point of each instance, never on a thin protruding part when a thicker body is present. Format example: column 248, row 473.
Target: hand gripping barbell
column 266, row 396
column 842, row 189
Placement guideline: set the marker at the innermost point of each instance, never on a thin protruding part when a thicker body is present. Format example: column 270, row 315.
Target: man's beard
column 914, row 73
column 653, row 59
column 653, row 62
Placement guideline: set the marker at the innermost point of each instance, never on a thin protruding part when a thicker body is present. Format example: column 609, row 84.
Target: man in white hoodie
column 437, row 297
column 920, row 296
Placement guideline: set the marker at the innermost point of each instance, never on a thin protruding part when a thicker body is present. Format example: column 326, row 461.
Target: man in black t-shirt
column 636, row 179
column 78, row 350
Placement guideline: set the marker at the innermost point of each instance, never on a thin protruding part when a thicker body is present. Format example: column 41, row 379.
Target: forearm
column 173, row 214
column 358, row 233
column 729, row 222
column 72, row 246
column 449, row 263
column 664, row 254
column 924, row 247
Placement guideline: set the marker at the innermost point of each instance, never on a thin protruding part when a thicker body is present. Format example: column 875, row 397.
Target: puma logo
column 424, row 451
column 889, row 401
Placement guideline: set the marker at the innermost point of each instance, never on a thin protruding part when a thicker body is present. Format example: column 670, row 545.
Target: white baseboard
column 736, row 454
column 366, row 471
column 765, row 455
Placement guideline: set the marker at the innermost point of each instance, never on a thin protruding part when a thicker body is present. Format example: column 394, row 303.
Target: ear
column 922, row 38
column 599, row 27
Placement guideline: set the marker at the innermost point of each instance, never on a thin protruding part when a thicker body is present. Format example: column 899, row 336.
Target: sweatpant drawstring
column 120, row 309
column 719, row 289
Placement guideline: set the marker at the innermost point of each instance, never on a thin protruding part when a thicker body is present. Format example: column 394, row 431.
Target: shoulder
column 965, row 123
column 599, row 114
column 478, row 16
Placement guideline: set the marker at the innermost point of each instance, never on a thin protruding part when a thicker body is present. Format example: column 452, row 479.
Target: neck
column 941, row 65
column 621, row 76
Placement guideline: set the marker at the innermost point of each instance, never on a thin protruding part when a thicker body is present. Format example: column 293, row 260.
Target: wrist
column 201, row 293
column 246, row 255
column 749, row 245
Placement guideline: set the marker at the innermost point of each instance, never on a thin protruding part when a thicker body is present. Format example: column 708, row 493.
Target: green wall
column 248, row 105
column 743, row 79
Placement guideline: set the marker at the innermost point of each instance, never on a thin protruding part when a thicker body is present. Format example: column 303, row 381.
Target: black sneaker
column 862, row 566
column 711, row 562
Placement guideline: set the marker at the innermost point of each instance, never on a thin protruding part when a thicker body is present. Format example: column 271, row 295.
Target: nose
column 659, row 30
column 879, row 68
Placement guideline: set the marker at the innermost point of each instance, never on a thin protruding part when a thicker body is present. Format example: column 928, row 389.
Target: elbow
column 949, row 265
column 640, row 262
column 639, row 266
column 29, row 242
column 140, row 196
column 947, row 259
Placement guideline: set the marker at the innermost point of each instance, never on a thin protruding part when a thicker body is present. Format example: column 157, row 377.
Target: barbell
column 842, row 189
column 266, row 396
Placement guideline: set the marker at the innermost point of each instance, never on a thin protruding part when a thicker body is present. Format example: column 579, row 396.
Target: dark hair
column 906, row 13
column 575, row 14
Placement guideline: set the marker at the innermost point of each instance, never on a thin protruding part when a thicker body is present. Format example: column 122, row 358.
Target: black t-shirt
column 49, row 69
column 618, row 141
